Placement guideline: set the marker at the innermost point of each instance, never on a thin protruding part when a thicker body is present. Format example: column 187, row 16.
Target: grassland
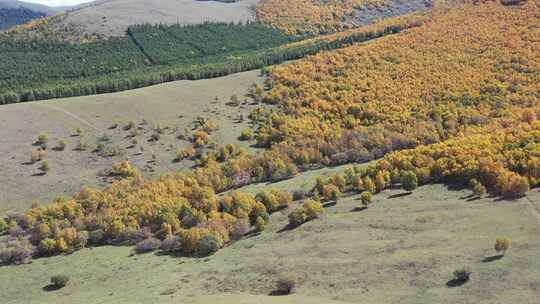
column 112, row 18
column 403, row 249
column 175, row 104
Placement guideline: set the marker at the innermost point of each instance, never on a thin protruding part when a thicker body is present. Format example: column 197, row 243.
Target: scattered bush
column 502, row 244
column 462, row 275
column 208, row 245
column 246, row 135
column 130, row 125
column 61, row 145
column 309, row 210
column 150, row 244
column 366, row 198
column 59, row 280
column 274, row 199
column 42, row 139
column 15, row 252
column 409, row 181
column 331, row 192
column 182, row 154
column 286, row 285
column 45, row 167
column 124, row 169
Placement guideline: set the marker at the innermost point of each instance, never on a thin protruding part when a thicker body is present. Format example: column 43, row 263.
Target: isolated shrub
column 182, row 154
column 45, row 167
column 130, row 125
column 309, row 210
column 147, row 245
column 409, row 181
column 42, row 139
column 171, row 243
column 61, row 145
column 313, row 209
column 286, row 284
column 274, row 199
column 463, row 274
column 331, row 192
column 502, row 244
column 366, row 198
column 124, row 169
column 234, row 100
column 241, row 227
column 246, row 135
column 208, row 245
column 59, row 280
column 297, row 217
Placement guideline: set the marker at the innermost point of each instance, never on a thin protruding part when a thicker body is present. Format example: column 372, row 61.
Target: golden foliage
column 301, row 17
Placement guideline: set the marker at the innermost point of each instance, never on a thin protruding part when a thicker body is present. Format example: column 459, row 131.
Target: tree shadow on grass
column 329, row 204
column 51, row 287
column 492, row 258
column 287, row 228
column 278, row 293
column 400, row 195
column 358, row 209
column 455, row 283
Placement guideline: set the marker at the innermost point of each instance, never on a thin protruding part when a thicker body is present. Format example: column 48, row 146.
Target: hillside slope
column 112, row 17
column 14, row 12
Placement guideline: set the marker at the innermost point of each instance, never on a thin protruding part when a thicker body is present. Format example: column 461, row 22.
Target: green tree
column 409, row 181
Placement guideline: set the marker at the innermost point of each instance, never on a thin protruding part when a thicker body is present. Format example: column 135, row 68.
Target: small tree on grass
column 409, row 181
column 61, row 145
column 366, row 198
column 286, row 284
column 502, row 244
column 246, row 135
column 59, row 280
column 331, row 192
column 44, row 167
column 462, row 275
column 42, row 139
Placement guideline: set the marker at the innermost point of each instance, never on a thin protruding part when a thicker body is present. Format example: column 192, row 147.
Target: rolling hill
column 13, row 12
column 113, row 17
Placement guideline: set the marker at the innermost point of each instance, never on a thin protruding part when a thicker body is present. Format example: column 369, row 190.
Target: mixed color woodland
column 454, row 99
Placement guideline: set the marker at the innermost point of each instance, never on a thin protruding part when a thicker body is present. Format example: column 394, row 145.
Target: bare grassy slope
column 112, row 17
column 401, row 250
column 174, row 104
